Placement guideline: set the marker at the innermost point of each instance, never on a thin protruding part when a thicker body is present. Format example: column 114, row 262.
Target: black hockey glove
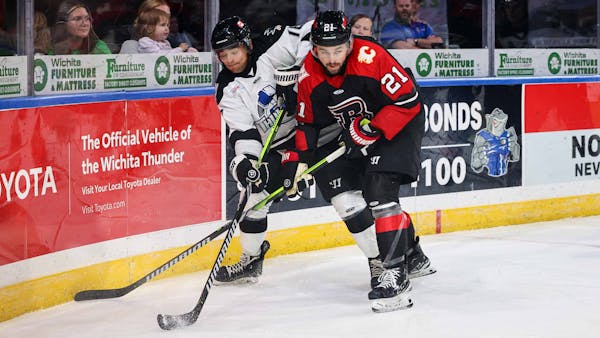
column 244, row 170
column 359, row 138
column 293, row 180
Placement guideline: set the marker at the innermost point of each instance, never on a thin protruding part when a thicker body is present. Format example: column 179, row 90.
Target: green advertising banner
column 444, row 63
column 13, row 76
column 546, row 62
column 91, row 73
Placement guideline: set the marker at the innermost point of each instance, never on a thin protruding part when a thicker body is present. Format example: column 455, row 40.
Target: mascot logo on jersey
column 268, row 106
column 349, row 109
column 495, row 146
column 366, row 55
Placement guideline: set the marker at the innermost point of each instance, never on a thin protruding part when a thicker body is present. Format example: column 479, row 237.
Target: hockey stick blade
column 119, row 292
column 169, row 322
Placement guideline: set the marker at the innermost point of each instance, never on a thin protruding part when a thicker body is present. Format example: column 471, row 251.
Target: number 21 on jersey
column 393, row 83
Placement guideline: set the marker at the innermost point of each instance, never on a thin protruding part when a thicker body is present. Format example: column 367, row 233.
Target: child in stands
column 152, row 29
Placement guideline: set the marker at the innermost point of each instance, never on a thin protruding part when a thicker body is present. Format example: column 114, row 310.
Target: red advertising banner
column 562, row 133
column 84, row 173
column 562, row 106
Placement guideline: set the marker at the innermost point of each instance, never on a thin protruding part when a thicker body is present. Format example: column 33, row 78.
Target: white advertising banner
column 92, row 73
column 13, row 76
column 546, row 62
column 561, row 156
column 444, row 63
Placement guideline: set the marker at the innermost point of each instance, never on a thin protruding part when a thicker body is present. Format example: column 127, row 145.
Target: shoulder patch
column 303, row 74
column 366, row 54
column 232, row 87
column 272, row 30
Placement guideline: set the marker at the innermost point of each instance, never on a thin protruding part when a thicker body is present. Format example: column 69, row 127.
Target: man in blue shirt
column 404, row 32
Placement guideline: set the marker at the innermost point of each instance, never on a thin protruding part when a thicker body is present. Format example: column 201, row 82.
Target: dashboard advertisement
column 78, row 174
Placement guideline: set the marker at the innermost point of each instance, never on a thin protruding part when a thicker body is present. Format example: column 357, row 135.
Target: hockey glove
column 244, row 170
column 359, row 138
column 286, row 79
column 294, row 182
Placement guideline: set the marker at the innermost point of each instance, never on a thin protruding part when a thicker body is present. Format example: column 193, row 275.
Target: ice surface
column 533, row 280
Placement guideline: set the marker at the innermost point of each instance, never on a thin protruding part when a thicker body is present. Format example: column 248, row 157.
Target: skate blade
column 401, row 301
column 423, row 272
column 239, row 281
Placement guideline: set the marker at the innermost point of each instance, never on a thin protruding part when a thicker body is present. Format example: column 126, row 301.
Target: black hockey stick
column 119, row 292
column 169, row 322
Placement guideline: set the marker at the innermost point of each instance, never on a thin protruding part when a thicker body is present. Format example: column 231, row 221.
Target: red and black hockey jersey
column 372, row 84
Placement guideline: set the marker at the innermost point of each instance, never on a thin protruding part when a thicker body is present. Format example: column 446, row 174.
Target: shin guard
column 392, row 228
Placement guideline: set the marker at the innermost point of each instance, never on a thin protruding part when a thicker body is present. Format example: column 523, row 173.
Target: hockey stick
column 119, row 292
column 169, row 322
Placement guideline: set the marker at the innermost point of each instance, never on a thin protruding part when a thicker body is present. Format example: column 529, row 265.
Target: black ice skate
column 418, row 264
column 376, row 268
column 392, row 292
column 247, row 270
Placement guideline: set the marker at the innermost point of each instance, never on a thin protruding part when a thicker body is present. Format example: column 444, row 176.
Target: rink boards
column 98, row 190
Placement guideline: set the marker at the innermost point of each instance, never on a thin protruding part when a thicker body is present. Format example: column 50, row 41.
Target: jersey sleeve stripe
column 408, row 101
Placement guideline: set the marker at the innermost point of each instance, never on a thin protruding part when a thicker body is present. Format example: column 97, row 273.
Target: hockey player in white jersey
column 249, row 98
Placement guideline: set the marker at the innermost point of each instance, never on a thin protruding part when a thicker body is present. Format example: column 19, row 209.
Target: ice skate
column 376, row 268
column 392, row 292
column 418, row 264
column 247, row 270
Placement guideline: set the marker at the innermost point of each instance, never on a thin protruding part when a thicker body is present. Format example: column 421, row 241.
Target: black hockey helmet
column 330, row 28
column 230, row 32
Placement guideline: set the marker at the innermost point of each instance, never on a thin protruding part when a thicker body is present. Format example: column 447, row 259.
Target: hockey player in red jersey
column 352, row 89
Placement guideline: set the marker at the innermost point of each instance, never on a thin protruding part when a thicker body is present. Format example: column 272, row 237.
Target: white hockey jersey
column 248, row 101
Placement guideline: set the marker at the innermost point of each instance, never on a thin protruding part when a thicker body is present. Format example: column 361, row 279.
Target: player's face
column 333, row 57
column 362, row 27
column 235, row 59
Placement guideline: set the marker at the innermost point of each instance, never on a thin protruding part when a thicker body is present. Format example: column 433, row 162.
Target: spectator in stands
column 416, row 6
column 512, row 24
column 8, row 32
column 404, row 32
column 147, row 5
column 361, row 24
column 41, row 34
column 73, row 32
column 132, row 46
column 178, row 36
column 152, row 29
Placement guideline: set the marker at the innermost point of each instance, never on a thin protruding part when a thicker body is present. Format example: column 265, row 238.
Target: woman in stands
column 73, row 32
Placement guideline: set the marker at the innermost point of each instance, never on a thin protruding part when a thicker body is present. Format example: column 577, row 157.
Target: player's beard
column 333, row 68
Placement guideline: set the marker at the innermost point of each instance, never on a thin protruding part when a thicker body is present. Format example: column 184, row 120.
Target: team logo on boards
column 162, row 70
column 40, row 75
column 495, row 146
column 554, row 63
column 424, row 64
